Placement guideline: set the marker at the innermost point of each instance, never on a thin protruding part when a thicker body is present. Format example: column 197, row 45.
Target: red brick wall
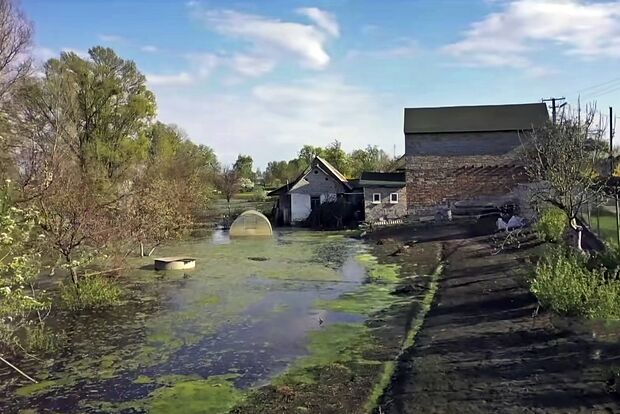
column 434, row 180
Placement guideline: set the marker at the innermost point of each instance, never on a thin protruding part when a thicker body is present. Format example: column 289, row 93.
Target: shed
column 251, row 223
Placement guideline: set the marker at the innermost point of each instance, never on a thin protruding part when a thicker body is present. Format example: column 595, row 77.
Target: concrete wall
column 384, row 210
column 446, row 168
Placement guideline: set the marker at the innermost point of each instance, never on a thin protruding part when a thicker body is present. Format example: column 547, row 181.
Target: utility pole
column 555, row 107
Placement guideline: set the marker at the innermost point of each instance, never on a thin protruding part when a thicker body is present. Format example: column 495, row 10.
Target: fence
column 601, row 219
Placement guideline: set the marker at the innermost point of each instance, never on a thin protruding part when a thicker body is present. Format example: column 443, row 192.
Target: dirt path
column 480, row 350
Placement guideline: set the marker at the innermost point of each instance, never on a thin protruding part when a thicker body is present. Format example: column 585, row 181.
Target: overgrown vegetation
column 570, row 283
column 551, row 225
column 93, row 292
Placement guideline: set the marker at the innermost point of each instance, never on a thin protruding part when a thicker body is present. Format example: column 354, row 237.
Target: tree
column 336, row 156
column 15, row 39
column 21, row 303
column 243, row 166
column 307, row 153
column 99, row 107
column 228, row 184
column 561, row 160
column 372, row 158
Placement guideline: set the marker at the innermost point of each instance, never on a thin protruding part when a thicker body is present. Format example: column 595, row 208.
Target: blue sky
column 266, row 77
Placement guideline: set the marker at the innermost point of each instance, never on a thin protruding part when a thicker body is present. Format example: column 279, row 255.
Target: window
column 315, row 202
column 376, row 198
column 394, row 198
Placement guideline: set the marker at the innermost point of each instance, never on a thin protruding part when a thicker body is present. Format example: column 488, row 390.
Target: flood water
column 245, row 310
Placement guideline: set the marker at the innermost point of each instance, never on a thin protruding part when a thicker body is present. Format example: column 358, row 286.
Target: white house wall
column 300, row 207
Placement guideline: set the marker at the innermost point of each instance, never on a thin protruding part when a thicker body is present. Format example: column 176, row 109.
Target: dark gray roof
column 485, row 118
column 387, row 179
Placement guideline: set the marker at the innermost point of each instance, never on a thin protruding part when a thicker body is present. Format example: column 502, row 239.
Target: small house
column 318, row 183
column 385, row 196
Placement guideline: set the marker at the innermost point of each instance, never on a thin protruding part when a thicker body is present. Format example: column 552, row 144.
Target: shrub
column 41, row 339
column 258, row 195
column 564, row 283
column 552, row 224
column 93, row 292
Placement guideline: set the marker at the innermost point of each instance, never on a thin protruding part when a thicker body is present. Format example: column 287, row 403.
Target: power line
column 614, row 80
column 603, row 92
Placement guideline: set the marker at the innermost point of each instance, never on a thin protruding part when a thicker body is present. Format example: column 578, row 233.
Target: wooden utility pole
column 555, row 107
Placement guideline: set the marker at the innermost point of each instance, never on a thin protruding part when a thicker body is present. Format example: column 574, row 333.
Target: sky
column 265, row 77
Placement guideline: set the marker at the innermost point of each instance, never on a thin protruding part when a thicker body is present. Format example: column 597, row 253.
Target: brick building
column 465, row 154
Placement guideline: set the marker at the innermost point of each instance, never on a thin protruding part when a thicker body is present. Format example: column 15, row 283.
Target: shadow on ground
column 482, row 350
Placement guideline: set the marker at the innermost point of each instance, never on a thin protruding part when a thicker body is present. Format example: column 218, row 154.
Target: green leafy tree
column 20, row 299
column 337, row 157
column 307, row 154
column 372, row 158
column 99, row 108
column 243, row 166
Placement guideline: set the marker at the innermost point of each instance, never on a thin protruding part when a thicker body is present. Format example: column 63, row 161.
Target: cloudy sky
column 266, row 77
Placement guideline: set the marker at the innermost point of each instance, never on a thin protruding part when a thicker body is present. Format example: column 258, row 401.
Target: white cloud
column 252, row 66
column 149, row 48
column 275, row 120
column 43, row 54
column 273, row 37
column 81, row 53
column 323, row 19
column 509, row 37
column 111, row 38
column 203, row 64
column 406, row 48
column 182, row 78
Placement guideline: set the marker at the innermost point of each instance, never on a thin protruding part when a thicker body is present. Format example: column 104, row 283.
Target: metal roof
column 484, row 118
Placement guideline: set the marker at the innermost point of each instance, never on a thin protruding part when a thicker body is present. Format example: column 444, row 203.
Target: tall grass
column 93, row 292
column 566, row 282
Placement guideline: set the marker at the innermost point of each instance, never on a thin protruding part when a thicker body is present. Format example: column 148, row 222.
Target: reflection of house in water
column 318, row 183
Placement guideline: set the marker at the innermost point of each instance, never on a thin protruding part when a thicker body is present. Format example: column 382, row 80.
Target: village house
column 318, row 183
column 465, row 154
column 385, row 196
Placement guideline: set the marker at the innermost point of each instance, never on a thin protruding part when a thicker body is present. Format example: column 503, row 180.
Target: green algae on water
column 214, row 395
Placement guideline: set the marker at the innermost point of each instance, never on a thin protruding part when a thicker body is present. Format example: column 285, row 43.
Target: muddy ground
column 481, row 349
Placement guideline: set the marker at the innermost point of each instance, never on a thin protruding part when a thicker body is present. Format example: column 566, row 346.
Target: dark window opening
column 315, row 202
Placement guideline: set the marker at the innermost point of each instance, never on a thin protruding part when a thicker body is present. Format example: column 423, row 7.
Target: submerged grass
column 93, row 292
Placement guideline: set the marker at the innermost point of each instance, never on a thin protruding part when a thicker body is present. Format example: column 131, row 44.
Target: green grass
column 606, row 224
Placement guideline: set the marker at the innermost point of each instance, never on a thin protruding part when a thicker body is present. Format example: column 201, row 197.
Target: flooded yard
column 196, row 341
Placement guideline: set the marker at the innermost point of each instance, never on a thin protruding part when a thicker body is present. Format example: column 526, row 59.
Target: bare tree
column 15, row 38
column 228, row 183
column 561, row 160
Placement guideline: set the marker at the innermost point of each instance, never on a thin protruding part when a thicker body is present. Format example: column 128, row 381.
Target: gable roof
column 483, row 118
column 388, row 179
column 317, row 162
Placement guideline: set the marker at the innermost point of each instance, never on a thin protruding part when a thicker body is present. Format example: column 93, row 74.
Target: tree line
column 86, row 171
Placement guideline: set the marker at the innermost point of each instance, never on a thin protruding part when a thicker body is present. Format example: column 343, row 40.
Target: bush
column 41, row 339
column 564, row 283
column 258, row 195
column 552, row 224
column 93, row 292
